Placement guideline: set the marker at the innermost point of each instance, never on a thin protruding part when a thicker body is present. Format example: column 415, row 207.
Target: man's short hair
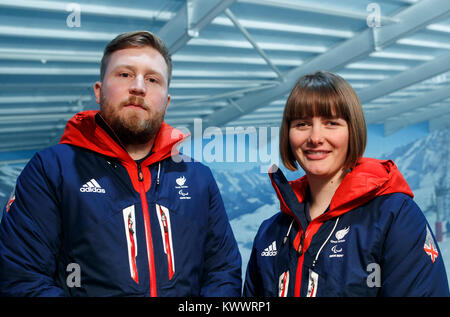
column 324, row 94
column 133, row 40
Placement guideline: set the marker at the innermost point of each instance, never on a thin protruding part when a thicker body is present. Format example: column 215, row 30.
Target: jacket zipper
column 148, row 233
column 167, row 247
column 298, row 274
column 298, row 277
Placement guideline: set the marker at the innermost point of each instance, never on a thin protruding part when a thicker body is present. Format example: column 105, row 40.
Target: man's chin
column 128, row 137
column 134, row 133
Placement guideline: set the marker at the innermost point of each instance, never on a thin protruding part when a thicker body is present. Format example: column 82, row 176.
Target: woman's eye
column 300, row 124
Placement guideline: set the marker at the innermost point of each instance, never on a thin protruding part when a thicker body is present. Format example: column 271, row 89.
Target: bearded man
column 109, row 211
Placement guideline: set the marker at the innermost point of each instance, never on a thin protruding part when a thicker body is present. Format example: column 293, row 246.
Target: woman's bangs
column 313, row 103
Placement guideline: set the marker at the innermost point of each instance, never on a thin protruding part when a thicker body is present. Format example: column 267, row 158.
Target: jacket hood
column 368, row 179
column 83, row 130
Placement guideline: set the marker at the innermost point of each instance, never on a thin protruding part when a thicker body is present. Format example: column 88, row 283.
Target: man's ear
column 98, row 91
column 167, row 104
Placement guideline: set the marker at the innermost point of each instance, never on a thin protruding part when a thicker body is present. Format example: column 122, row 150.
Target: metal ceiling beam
column 17, row 111
column 4, row 137
column 50, row 71
column 393, row 125
column 189, row 20
column 320, row 9
column 37, row 147
column 32, row 118
column 44, row 99
column 264, row 45
column 46, row 33
column 38, row 87
column 44, row 55
column 439, row 28
column 410, row 77
column 21, row 143
column 255, row 45
column 424, row 43
column 30, row 128
column 227, row 94
column 409, row 105
column 181, row 113
column 95, row 71
column 285, row 27
column 174, row 84
column 411, row 19
column 62, row 6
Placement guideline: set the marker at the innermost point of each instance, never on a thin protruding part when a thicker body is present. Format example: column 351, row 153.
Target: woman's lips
column 316, row 154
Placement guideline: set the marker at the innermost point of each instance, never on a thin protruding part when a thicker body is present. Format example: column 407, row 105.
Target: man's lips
column 133, row 105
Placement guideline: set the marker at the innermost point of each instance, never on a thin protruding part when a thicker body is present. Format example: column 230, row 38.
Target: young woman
column 349, row 227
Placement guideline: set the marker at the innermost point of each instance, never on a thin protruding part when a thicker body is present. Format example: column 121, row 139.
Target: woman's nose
column 316, row 136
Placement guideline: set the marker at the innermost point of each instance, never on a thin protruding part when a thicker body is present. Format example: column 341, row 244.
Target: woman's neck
column 322, row 190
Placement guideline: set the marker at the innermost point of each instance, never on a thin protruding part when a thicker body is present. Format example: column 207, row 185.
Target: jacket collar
column 368, row 179
column 85, row 130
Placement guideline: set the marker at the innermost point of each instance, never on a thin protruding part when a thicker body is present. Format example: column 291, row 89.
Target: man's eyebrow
column 131, row 67
column 124, row 66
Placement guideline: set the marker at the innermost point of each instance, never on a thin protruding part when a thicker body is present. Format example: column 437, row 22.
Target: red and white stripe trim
column 163, row 215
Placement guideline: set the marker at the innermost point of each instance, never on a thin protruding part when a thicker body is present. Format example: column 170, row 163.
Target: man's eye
column 153, row 80
column 125, row 75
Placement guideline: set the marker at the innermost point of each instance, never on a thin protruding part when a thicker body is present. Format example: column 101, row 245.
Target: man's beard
column 131, row 129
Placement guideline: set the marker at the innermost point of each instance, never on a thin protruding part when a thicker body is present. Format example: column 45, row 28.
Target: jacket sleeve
column 29, row 237
column 412, row 263
column 222, row 270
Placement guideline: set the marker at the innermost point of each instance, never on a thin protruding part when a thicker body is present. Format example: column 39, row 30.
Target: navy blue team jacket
column 153, row 228
column 373, row 240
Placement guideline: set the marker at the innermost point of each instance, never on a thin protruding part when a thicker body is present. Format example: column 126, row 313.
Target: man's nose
column 138, row 86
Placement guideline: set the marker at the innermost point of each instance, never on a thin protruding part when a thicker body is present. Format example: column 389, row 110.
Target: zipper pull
column 300, row 245
column 287, row 233
column 140, row 174
column 163, row 219
column 157, row 176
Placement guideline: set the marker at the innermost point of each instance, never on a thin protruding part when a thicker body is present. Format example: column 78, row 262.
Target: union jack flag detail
column 429, row 246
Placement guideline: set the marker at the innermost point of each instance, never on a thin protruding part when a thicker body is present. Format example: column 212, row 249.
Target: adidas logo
column 92, row 187
column 271, row 250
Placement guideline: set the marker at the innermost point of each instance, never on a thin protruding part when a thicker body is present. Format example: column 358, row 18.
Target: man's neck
column 139, row 151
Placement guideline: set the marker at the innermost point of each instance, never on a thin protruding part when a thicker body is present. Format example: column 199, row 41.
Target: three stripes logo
column 271, row 250
column 92, row 187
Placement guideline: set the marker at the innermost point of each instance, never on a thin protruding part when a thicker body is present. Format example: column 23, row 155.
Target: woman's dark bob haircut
column 324, row 94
